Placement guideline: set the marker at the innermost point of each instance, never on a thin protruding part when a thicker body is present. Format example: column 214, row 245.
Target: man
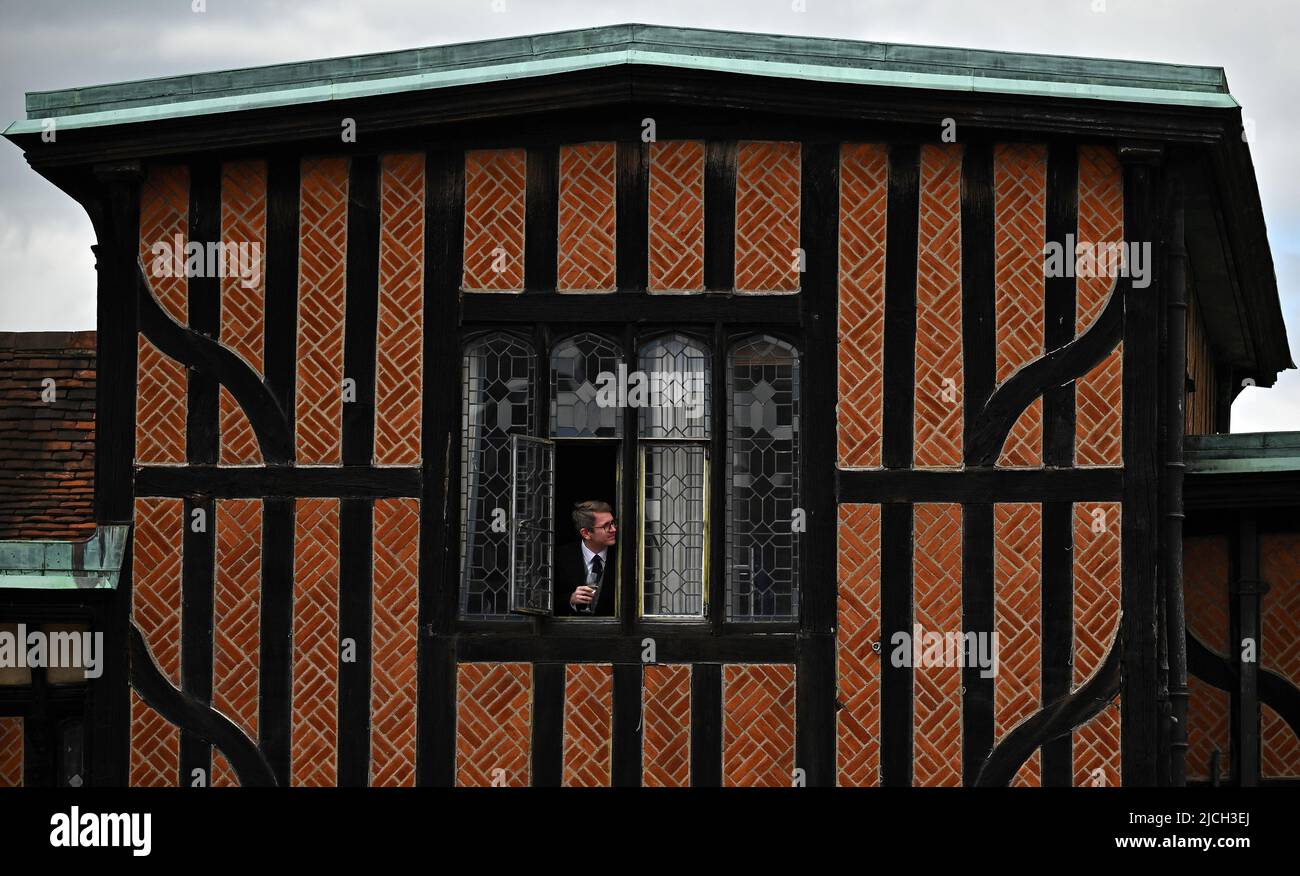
column 585, row 578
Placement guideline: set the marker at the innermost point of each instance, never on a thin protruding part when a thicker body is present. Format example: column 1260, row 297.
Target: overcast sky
column 47, row 279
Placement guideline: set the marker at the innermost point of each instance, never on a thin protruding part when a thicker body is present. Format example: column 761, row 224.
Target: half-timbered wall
column 283, row 525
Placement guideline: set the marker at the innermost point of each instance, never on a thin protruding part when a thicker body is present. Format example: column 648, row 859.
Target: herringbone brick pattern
column 322, row 266
column 1279, row 560
column 160, row 381
column 399, row 374
column 1096, row 747
column 939, row 401
column 155, row 748
column 314, row 734
column 857, row 665
column 1279, row 749
column 1209, row 711
column 585, row 253
column 222, row 768
column 237, row 618
column 676, row 216
column 864, row 182
column 493, row 724
column 243, row 222
column 156, row 577
column 11, row 752
column 767, row 217
column 395, row 612
column 666, row 726
column 758, row 725
column 1205, row 600
column 1098, row 394
column 936, row 599
column 1018, row 581
column 161, row 385
column 1096, row 624
column 156, row 610
column 494, row 219
column 1020, row 230
column 588, row 724
column 164, row 213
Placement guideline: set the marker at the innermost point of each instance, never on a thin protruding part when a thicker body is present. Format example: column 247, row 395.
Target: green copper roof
column 95, row 563
column 1242, row 452
column 817, row 59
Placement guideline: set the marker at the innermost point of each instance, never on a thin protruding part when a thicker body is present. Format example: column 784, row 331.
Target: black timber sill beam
column 256, row 482
column 617, row 308
column 779, row 648
column 980, row 485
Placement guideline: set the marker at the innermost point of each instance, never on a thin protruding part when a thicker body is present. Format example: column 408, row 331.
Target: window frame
column 718, row 337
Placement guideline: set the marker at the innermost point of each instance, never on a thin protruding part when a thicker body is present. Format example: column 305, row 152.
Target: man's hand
column 583, row 595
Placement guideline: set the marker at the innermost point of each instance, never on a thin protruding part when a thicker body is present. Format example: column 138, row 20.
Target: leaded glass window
column 671, row 393
column 580, row 367
column 762, row 548
column 497, row 381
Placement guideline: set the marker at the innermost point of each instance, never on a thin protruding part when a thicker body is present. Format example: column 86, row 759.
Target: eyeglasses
column 613, row 524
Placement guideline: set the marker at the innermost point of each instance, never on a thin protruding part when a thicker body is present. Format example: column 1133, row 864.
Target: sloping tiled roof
column 809, row 58
column 47, row 448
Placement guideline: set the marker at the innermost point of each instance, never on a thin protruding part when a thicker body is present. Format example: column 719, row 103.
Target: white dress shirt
column 587, row 555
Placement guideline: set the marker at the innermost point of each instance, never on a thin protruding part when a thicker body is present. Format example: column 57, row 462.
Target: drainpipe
column 1175, row 396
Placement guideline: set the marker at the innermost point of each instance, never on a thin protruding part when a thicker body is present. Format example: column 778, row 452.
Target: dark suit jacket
column 571, row 573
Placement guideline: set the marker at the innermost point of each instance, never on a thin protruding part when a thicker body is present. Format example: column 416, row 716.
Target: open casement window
column 532, row 518
column 673, row 427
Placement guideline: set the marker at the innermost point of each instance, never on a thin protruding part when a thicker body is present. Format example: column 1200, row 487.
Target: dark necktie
column 597, row 567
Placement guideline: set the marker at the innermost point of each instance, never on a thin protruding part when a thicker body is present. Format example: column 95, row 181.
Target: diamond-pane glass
column 497, row 381
column 673, row 535
column 578, row 408
column 763, row 480
column 673, row 401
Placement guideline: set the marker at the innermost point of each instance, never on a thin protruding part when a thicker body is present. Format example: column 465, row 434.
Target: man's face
column 603, row 532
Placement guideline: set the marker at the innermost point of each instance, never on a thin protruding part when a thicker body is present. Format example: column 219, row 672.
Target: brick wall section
column 676, row 216
column 161, row 382
column 1279, row 562
column 322, row 265
column 243, row 223
column 758, row 725
column 767, row 217
column 666, row 739
column 857, row 665
column 395, row 641
column 47, row 449
column 588, row 724
column 936, row 596
column 399, row 377
column 495, row 181
column 1018, row 581
column 156, row 610
column 11, row 752
column 1096, row 623
column 1099, row 394
column 938, row 388
column 585, row 250
column 315, row 730
column 1020, row 230
column 494, row 724
column 864, row 182
column 237, row 614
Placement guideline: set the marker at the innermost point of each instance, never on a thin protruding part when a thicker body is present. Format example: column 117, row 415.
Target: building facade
column 901, row 490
